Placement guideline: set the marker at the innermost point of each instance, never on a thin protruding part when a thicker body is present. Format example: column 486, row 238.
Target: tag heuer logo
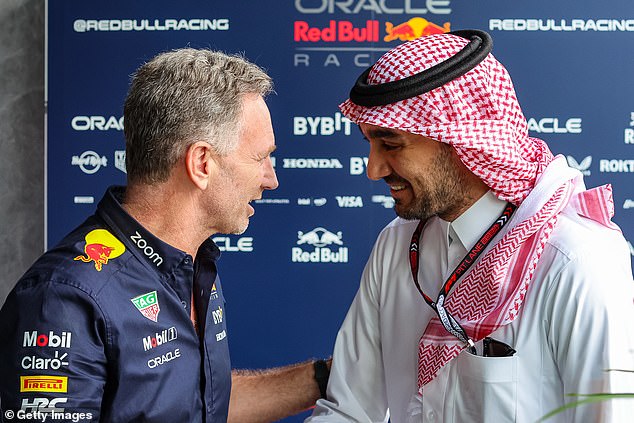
column 148, row 305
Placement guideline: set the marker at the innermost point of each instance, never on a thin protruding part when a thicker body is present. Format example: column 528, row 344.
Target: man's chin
column 241, row 229
column 402, row 211
column 410, row 213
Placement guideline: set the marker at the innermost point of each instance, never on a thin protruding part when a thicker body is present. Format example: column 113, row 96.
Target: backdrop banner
column 290, row 278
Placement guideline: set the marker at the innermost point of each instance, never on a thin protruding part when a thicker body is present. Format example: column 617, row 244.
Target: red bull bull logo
column 101, row 246
column 413, row 28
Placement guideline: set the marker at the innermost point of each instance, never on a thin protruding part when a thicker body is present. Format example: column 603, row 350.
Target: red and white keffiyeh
column 478, row 114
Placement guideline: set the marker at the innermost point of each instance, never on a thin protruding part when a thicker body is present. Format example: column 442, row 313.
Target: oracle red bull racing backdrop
column 291, row 276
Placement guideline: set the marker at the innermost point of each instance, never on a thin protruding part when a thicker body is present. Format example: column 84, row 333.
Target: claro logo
column 395, row 7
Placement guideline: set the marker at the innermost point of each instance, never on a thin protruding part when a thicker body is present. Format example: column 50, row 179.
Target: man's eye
column 391, row 147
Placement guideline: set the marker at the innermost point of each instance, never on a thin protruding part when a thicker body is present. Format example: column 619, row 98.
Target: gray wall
column 21, row 138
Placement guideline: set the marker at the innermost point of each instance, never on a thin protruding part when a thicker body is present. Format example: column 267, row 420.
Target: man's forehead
column 379, row 131
column 374, row 131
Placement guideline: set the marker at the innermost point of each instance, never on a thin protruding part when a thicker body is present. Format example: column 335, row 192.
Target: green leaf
column 589, row 398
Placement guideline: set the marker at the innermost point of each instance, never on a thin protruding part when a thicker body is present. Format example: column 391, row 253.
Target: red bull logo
column 101, row 246
column 336, row 31
column 413, row 28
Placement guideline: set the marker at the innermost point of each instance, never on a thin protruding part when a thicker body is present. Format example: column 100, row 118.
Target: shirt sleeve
column 356, row 387
column 590, row 333
column 52, row 338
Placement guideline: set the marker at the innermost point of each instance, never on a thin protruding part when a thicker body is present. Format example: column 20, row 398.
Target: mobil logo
column 51, row 339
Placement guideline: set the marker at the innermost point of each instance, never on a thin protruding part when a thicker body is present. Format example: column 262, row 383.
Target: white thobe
column 576, row 323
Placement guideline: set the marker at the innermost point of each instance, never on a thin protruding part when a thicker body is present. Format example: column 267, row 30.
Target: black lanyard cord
column 450, row 324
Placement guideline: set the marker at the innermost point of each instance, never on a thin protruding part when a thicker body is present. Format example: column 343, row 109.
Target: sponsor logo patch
column 148, row 305
column 160, row 338
column 43, row 384
column 146, row 249
column 32, row 362
column 221, row 335
column 214, row 292
column 101, row 246
column 35, row 339
column 43, row 405
column 217, row 315
column 164, row 358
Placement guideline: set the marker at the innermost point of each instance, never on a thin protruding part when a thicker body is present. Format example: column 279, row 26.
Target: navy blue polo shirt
column 100, row 325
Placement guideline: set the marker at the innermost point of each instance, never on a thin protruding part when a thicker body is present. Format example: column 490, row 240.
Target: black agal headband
column 480, row 44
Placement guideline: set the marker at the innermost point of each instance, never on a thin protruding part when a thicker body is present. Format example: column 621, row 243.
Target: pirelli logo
column 43, row 384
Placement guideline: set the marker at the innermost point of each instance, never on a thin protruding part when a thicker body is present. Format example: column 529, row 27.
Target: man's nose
column 377, row 168
column 270, row 178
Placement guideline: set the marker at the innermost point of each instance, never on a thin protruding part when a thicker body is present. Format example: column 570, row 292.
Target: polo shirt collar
column 470, row 225
column 149, row 249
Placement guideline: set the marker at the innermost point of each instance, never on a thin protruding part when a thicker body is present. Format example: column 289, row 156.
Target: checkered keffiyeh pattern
column 479, row 116
column 477, row 113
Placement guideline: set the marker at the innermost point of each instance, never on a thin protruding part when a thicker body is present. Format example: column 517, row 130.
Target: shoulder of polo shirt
column 59, row 266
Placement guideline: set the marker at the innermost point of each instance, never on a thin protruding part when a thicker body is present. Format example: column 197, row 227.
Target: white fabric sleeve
column 590, row 332
column 356, row 388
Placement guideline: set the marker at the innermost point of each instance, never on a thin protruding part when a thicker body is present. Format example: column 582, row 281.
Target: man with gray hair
column 124, row 319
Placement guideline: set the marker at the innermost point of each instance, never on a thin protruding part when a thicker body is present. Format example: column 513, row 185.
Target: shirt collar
column 470, row 225
column 149, row 249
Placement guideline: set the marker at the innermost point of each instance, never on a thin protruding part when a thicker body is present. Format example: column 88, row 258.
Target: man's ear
column 200, row 164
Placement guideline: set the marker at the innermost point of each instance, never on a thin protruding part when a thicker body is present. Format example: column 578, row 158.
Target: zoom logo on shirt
column 146, row 249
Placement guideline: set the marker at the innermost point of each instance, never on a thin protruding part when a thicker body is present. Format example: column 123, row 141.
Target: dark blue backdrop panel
column 290, row 278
